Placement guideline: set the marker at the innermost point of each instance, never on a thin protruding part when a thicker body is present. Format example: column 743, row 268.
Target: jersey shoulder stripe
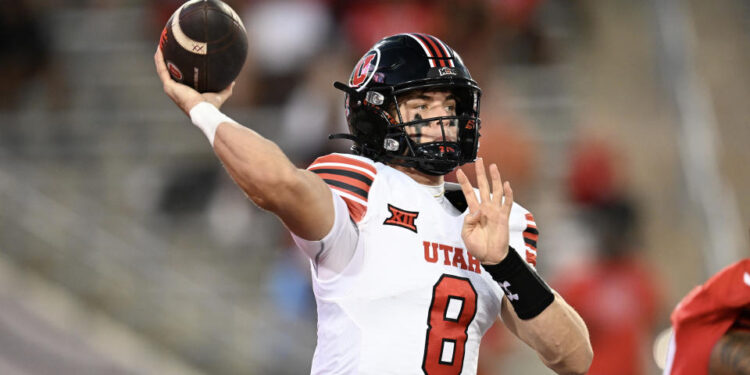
column 349, row 177
column 361, row 164
column 530, row 236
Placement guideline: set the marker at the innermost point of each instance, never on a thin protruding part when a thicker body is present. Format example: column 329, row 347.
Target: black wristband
column 526, row 291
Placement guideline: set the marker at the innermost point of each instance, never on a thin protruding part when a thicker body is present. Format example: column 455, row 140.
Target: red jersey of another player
column 619, row 300
column 704, row 315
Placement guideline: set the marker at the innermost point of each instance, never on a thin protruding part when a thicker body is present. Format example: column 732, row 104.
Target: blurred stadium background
column 125, row 249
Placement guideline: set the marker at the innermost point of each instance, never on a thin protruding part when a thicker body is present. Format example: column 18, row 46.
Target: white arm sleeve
column 333, row 253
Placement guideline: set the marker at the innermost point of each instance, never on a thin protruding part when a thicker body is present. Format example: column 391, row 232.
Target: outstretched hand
column 486, row 230
column 185, row 96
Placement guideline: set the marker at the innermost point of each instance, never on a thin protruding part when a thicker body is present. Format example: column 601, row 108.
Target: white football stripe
column 231, row 11
column 367, row 172
column 185, row 41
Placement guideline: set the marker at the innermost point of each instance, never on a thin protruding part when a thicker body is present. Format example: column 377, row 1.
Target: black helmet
column 396, row 65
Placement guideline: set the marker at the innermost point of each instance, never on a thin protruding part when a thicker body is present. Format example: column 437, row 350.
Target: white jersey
column 410, row 298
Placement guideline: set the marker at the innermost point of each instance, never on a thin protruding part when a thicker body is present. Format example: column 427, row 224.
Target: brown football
column 204, row 45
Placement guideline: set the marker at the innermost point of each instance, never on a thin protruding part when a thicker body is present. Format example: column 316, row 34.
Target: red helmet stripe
column 445, row 49
column 435, row 48
column 427, row 52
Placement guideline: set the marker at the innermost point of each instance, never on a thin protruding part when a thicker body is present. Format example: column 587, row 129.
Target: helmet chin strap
column 415, row 163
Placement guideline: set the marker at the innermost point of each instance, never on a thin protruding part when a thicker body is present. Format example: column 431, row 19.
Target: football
column 204, row 45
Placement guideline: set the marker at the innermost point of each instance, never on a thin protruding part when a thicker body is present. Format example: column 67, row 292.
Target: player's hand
column 486, row 231
column 185, row 96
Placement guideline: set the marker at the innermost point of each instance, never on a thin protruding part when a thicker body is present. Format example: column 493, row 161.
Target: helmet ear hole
column 366, row 124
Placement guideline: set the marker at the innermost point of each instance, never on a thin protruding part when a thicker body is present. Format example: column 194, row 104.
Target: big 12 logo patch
column 402, row 218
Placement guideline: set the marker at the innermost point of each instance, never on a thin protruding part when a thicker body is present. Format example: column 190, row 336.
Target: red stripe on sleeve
column 356, row 210
column 531, row 258
column 333, row 158
column 354, row 175
column 349, row 181
column 529, row 236
column 340, row 168
column 530, row 222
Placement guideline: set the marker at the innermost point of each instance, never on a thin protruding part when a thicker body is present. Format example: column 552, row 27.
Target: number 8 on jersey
column 454, row 304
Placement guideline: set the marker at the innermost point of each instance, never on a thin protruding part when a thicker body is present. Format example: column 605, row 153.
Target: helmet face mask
column 395, row 69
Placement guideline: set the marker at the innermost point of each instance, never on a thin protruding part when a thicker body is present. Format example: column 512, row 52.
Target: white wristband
column 207, row 117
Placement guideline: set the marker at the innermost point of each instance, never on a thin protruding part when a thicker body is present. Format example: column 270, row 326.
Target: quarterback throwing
column 408, row 271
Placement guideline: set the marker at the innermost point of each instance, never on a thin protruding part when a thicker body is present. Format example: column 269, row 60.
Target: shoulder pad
column 350, row 177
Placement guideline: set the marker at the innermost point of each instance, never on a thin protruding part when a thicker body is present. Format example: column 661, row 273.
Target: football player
column 408, row 271
column 712, row 326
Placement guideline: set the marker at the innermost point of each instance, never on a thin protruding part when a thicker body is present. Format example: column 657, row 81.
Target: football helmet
column 397, row 65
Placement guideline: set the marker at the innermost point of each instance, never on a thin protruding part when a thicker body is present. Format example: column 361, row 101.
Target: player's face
column 427, row 104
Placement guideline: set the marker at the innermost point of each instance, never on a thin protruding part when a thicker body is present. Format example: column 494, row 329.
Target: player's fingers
column 227, row 92
column 218, row 98
column 473, row 218
column 508, row 202
column 468, row 190
column 482, row 183
column 161, row 68
column 497, row 183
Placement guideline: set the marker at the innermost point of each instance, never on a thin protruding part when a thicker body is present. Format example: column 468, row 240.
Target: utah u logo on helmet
column 364, row 69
